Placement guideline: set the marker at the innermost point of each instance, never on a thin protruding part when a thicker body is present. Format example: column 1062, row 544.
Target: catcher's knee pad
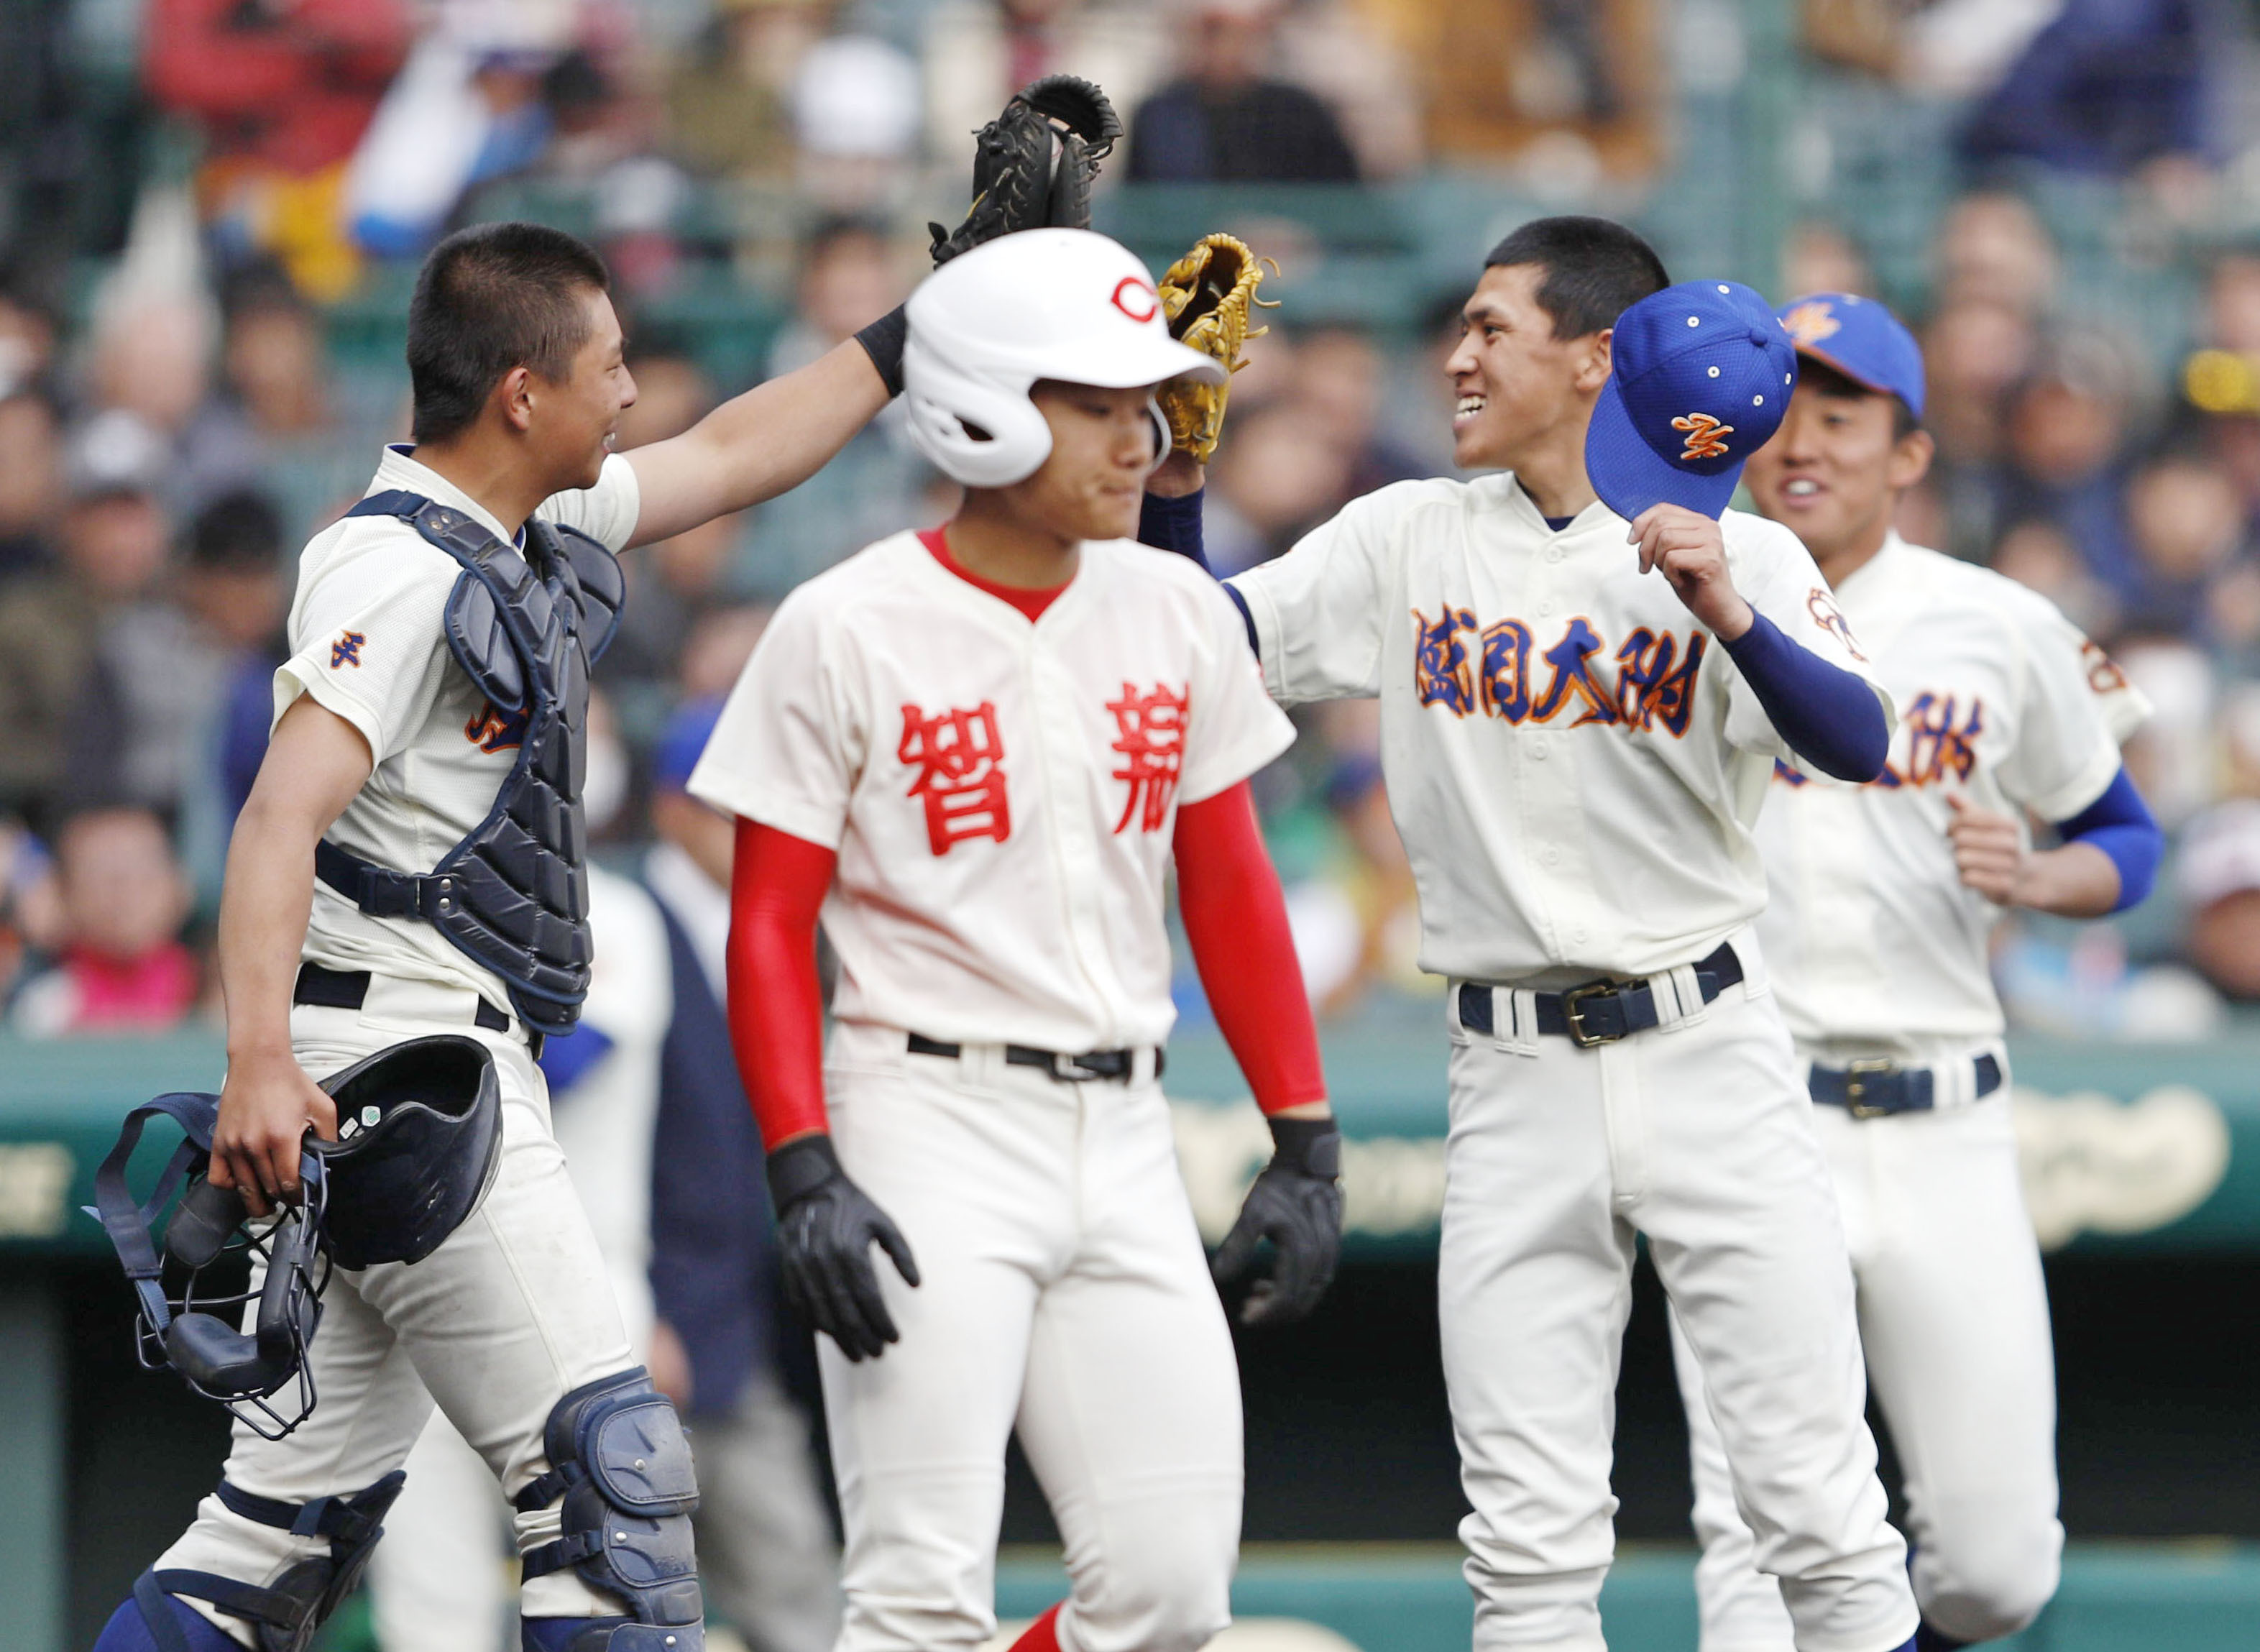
column 283, row 1613
column 620, row 1461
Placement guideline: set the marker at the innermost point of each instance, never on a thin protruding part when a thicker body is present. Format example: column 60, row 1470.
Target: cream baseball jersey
column 1871, row 936
column 1574, row 763
column 367, row 642
column 1002, row 794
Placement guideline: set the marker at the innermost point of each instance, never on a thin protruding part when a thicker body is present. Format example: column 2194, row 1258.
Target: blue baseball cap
column 1702, row 374
column 1860, row 339
column 682, row 740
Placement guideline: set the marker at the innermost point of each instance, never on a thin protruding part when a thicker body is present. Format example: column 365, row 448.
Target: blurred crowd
column 209, row 208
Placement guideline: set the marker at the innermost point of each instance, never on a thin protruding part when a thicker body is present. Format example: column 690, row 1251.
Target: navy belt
column 1874, row 1089
column 1120, row 1064
column 348, row 990
column 1601, row 1012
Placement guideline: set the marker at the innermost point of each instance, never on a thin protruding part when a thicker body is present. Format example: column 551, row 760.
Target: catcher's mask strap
column 129, row 1223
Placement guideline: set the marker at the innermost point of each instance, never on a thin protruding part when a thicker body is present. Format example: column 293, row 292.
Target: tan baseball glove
column 1207, row 296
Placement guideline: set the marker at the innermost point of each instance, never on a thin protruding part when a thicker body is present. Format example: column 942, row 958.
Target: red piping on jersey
column 1042, row 1635
column 1235, row 919
column 1028, row 601
column 777, row 883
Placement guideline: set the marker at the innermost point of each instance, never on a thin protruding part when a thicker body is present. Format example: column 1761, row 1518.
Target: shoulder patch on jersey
column 1826, row 615
column 347, row 649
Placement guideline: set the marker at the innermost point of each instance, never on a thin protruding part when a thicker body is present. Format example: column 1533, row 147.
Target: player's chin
column 1477, row 444
column 1111, row 515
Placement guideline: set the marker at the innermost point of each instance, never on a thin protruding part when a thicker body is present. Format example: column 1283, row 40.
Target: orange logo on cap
column 1136, row 299
column 1810, row 323
column 1703, row 433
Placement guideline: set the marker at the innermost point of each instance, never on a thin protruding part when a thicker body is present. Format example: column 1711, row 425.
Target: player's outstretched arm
column 1235, row 919
column 315, row 763
column 825, row 1224
column 758, row 445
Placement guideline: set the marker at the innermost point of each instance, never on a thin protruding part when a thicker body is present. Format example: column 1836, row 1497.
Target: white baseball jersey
column 1871, row 935
column 1574, row 763
column 1002, row 794
column 367, row 642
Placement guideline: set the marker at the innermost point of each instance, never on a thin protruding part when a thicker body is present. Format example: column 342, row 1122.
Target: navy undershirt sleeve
column 2120, row 825
column 1173, row 524
column 1831, row 718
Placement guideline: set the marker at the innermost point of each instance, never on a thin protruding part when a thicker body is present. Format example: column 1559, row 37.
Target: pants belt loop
column 1679, row 999
column 1453, row 1026
column 1516, row 1007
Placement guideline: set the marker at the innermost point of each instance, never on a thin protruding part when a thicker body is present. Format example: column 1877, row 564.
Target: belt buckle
column 1573, row 1002
column 1856, row 1087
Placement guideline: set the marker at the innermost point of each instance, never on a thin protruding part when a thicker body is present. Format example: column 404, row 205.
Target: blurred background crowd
column 210, row 211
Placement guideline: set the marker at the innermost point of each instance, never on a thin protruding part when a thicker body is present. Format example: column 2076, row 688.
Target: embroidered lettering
column 960, row 759
column 1812, row 321
column 347, row 649
column 1506, row 670
column 1655, row 686
column 1826, row 615
column 1703, row 436
column 1440, row 674
column 1649, row 688
column 1571, row 659
column 1150, row 739
column 1937, row 749
column 2103, row 673
column 492, row 729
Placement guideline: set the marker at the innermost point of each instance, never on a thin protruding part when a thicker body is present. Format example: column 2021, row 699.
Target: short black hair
column 489, row 299
column 238, row 533
column 1815, row 374
column 1596, row 270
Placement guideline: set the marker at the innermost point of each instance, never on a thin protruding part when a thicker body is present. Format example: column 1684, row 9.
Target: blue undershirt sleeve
column 1173, row 524
column 2120, row 825
column 1831, row 718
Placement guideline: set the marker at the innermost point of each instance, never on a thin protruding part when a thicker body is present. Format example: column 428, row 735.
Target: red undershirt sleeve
column 1235, row 919
column 778, row 884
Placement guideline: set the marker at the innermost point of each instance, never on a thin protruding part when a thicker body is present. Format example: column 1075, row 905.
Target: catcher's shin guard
column 168, row 1624
column 622, row 1466
column 283, row 1614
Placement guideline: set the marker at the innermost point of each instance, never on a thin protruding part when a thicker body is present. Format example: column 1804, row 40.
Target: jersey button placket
column 1068, row 787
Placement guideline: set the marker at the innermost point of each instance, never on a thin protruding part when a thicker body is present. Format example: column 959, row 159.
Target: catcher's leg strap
column 285, row 1613
column 622, row 1465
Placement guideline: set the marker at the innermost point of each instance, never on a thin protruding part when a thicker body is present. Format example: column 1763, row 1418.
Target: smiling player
column 1882, row 900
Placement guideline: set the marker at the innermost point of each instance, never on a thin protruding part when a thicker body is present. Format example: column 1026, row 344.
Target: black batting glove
column 825, row 1229
column 1297, row 1205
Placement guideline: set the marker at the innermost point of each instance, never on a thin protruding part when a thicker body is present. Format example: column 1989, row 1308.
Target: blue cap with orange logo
column 1861, row 339
column 1702, row 374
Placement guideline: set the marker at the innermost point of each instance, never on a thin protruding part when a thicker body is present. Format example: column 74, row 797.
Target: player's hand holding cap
column 1701, row 375
column 1860, row 339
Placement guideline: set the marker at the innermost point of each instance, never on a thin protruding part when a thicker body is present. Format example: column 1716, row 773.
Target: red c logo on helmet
column 1139, row 308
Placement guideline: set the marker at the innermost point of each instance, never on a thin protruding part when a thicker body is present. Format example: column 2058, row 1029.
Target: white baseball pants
column 512, row 1312
column 1954, row 1315
column 1066, row 1294
column 1696, row 1135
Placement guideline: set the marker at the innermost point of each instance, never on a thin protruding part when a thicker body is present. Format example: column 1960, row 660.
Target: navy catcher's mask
column 419, row 1137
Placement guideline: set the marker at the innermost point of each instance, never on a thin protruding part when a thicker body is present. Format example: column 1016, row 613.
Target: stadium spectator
column 729, row 101
column 122, row 966
column 2218, row 878
column 2069, row 427
column 1225, row 119
column 1992, row 246
column 31, row 483
column 978, row 53
column 31, row 908
column 1339, row 381
column 112, row 542
column 28, row 333
column 2106, row 87
column 2186, row 526
column 1280, row 474
column 148, row 375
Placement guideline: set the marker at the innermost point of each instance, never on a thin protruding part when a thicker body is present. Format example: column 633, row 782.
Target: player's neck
column 491, row 470
column 1553, row 473
column 1854, row 552
column 991, row 541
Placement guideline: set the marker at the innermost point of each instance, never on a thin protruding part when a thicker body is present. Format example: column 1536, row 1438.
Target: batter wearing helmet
column 1881, row 902
column 977, row 753
column 409, row 862
column 1587, row 669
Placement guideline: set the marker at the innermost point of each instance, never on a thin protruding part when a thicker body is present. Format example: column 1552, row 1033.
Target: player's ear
column 1911, row 457
column 513, row 394
column 1593, row 364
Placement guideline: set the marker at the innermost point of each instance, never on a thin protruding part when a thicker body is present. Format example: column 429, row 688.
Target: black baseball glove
column 1032, row 165
column 1297, row 1205
column 825, row 1229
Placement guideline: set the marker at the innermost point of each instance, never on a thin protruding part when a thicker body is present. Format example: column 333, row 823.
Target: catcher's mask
column 419, row 1137
column 1047, row 303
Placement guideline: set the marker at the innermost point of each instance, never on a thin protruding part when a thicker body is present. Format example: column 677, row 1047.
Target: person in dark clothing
column 1225, row 122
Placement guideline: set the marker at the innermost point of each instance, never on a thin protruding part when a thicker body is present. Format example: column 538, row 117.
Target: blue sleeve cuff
column 1173, row 524
column 1830, row 717
column 2120, row 825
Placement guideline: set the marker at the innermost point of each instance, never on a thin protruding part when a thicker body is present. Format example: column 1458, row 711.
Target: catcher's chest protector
column 526, row 625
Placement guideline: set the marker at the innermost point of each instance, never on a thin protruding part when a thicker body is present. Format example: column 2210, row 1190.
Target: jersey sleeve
column 368, row 638
column 1319, row 609
column 789, row 744
column 1234, row 729
column 1777, row 575
column 606, row 512
column 2078, row 709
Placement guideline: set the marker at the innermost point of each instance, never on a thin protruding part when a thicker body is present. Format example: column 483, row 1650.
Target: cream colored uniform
column 1879, row 953
column 1002, row 797
column 367, row 642
column 1575, row 768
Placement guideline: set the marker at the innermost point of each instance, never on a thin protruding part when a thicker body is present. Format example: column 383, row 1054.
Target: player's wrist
column 1309, row 1147
column 800, row 1167
column 1736, row 617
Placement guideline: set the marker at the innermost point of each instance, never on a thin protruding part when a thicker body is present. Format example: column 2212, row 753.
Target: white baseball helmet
column 1049, row 303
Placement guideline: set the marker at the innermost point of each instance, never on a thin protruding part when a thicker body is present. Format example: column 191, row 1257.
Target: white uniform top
column 1573, row 760
column 1872, row 939
column 367, row 642
column 1002, row 795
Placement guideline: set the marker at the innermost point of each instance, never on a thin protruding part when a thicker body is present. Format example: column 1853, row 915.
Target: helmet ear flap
column 946, row 406
column 1163, row 439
